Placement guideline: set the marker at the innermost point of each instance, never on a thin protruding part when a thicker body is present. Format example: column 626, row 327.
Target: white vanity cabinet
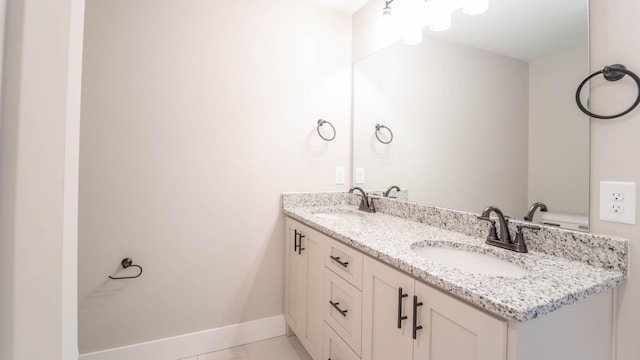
column 405, row 319
column 371, row 314
column 304, row 276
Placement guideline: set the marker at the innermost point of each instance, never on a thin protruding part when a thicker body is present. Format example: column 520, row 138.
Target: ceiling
column 522, row 29
column 347, row 6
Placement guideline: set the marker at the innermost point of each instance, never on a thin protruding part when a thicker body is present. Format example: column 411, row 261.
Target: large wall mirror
column 483, row 113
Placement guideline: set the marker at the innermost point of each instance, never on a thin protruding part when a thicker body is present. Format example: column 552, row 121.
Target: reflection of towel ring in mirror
column 127, row 262
column 614, row 72
column 378, row 128
column 322, row 122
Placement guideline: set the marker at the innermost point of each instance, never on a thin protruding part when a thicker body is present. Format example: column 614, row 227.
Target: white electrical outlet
column 618, row 202
column 359, row 175
column 616, row 207
column 340, row 175
column 617, row 196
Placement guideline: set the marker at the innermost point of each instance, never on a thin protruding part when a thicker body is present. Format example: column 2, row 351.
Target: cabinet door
column 312, row 253
column 454, row 330
column 382, row 307
column 304, row 276
column 295, row 283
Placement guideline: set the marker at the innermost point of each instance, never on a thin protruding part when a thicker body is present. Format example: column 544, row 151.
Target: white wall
column 558, row 133
column 369, row 35
column 615, row 149
column 458, row 125
column 38, row 180
column 196, row 116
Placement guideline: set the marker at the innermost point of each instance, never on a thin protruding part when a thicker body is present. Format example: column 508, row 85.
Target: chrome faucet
column 532, row 210
column 391, row 188
column 504, row 240
column 365, row 203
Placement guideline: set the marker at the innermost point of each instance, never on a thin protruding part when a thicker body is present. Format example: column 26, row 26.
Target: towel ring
column 322, row 122
column 378, row 127
column 127, row 262
column 614, row 72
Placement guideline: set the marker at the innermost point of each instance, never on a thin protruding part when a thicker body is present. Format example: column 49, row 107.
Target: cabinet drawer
column 335, row 348
column 343, row 309
column 344, row 261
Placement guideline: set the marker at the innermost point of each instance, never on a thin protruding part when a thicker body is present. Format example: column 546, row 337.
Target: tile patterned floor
column 278, row 348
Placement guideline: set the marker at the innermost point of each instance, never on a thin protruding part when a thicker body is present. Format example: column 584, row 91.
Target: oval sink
column 470, row 262
column 339, row 215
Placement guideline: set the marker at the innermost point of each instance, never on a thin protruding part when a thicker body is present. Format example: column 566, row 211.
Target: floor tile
column 278, row 348
column 236, row 353
column 299, row 349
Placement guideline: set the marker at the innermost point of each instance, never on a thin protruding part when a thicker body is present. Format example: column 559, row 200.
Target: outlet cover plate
column 359, row 175
column 340, row 175
column 616, row 196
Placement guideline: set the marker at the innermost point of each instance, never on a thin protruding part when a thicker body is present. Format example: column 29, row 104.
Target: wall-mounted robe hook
column 322, row 122
column 127, row 262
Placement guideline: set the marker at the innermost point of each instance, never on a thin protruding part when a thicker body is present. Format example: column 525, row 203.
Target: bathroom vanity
column 357, row 286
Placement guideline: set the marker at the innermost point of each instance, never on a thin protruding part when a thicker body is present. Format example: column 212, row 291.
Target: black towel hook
column 613, row 72
column 127, row 262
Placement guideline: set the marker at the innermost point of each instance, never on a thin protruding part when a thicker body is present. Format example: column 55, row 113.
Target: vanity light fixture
column 414, row 15
column 386, row 10
column 439, row 12
column 475, row 7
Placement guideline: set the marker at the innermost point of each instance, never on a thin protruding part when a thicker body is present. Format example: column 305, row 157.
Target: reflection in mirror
column 483, row 113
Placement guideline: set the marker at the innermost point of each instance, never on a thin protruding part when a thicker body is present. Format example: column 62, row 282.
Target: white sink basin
column 470, row 262
column 340, row 215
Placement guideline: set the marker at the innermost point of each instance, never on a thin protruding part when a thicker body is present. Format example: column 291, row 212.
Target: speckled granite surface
column 575, row 266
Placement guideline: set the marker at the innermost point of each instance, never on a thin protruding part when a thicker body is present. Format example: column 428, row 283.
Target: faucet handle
column 519, row 227
column 493, row 233
column 519, row 243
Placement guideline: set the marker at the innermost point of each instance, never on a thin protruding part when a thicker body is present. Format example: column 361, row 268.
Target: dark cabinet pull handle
column 400, row 317
column 335, row 305
column 416, row 327
column 297, row 241
column 300, row 248
column 337, row 259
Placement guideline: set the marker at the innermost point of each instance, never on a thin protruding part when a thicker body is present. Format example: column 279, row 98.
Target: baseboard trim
column 202, row 342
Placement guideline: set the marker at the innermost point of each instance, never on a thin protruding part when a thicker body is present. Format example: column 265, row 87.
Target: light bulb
column 439, row 13
column 440, row 21
column 475, row 7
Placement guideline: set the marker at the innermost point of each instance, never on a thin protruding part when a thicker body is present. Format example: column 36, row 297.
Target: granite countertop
column 552, row 281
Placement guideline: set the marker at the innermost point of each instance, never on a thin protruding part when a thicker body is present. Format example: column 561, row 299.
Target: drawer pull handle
column 335, row 306
column 400, row 317
column 416, row 327
column 337, row 259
